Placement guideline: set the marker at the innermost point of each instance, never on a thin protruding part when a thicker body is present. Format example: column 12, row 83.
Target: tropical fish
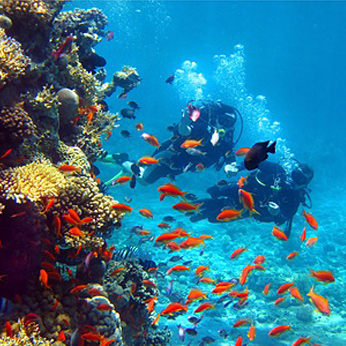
column 191, row 143
column 170, row 190
column 292, row 255
column 251, row 333
column 311, row 241
column 229, row 214
column 109, row 35
column 325, row 277
column 206, row 280
column 200, row 167
column 237, row 252
column 279, row 234
column 259, row 259
column 195, row 152
column 166, row 237
column 163, row 225
column 128, row 113
column 266, row 289
column 279, row 300
column 247, row 200
column 68, row 169
column 195, row 295
column 242, row 151
column 191, row 242
column 296, row 294
column 125, row 133
column 186, row 207
column 66, row 47
column 172, row 308
column 133, row 105
column 240, row 323
column 242, row 181
column 178, row 268
column 124, row 208
column 303, row 235
column 203, row 307
column 148, row 161
column 122, row 180
column 239, row 341
column 310, row 220
column 257, row 154
column 151, row 140
column 44, row 278
column 302, row 340
column 201, row 269
column 279, row 330
column 139, row 127
column 284, row 288
column 7, row 153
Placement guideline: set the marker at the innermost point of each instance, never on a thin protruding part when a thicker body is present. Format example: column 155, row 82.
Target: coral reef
column 13, row 62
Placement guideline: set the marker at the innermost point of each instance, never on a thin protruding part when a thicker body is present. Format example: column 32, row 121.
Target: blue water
column 294, row 55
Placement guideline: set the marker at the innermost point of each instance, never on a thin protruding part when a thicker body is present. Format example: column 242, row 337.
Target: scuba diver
column 277, row 195
column 213, row 122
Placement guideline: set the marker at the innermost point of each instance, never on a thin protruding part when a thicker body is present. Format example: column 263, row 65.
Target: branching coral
column 45, row 99
column 31, row 182
column 13, row 62
column 15, row 126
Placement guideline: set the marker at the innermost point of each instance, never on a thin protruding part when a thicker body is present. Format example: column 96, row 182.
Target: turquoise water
column 282, row 65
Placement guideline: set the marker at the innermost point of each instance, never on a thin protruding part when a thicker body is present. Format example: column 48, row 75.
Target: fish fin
column 197, row 209
column 162, row 196
column 271, row 148
column 254, row 211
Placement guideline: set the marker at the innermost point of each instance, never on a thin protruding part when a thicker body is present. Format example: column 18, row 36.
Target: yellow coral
column 13, row 62
column 46, row 98
column 31, row 182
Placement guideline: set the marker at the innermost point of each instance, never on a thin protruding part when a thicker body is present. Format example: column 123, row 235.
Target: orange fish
column 124, row 208
column 76, row 232
column 203, row 307
column 191, row 143
column 47, row 266
column 266, row 289
column 91, row 337
column 144, row 232
column 284, row 288
column 148, row 283
column 49, row 255
column 279, row 330
column 206, row 280
column 296, row 294
column 186, row 207
column 246, row 271
column 221, row 289
column 21, row 213
column 172, row 308
column 104, row 307
column 229, row 214
column 44, row 278
column 325, row 277
column 86, row 220
column 122, row 180
column 117, row 271
column 251, row 333
column 237, row 252
column 148, row 161
column 205, row 236
column 191, row 242
column 151, row 140
column 49, row 205
column 74, row 215
column 57, row 225
column 8, row 329
column 242, row 181
column 178, row 268
column 311, row 241
column 195, row 295
column 156, row 319
column 279, row 234
column 247, row 200
column 151, row 303
column 77, row 289
column 242, row 151
column 146, row 213
column 108, row 135
column 292, row 255
column 61, row 336
column 302, row 340
column 170, row 190
column 310, row 220
column 68, row 169
column 240, row 323
column 239, row 341
column 7, row 153
column 173, row 246
column 166, row 237
column 259, row 260
column 201, row 269
column 181, row 232
column 279, row 301
column 303, row 235
column 139, row 127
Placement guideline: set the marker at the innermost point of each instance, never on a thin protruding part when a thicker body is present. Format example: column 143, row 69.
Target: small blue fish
column 187, row 263
column 191, row 331
column 223, row 333
column 195, row 320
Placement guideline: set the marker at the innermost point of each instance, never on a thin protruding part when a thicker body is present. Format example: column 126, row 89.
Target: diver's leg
column 210, row 209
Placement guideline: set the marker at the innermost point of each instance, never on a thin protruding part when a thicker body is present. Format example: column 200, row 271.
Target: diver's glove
column 231, row 169
column 183, row 128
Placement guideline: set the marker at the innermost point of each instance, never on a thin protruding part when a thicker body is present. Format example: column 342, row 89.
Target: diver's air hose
column 238, row 114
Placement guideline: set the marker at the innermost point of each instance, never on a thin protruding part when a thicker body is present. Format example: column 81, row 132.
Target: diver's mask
column 273, row 208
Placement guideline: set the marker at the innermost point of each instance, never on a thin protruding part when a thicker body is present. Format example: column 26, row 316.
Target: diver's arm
column 118, row 175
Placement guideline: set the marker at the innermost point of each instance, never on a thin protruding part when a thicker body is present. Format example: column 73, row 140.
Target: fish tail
column 271, row 148
column 253, row 211
column 197, row 209
column 183, row 196
column 162, row 196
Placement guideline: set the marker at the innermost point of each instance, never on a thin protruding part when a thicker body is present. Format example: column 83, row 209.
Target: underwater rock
column 5, row 22
column 304, row 313
column 68, row 108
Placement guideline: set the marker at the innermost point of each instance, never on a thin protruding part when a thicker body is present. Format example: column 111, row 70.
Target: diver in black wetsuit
column 202, row 119
column 276, row 194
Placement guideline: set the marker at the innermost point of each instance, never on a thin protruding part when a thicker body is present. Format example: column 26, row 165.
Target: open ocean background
column 294, row 54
